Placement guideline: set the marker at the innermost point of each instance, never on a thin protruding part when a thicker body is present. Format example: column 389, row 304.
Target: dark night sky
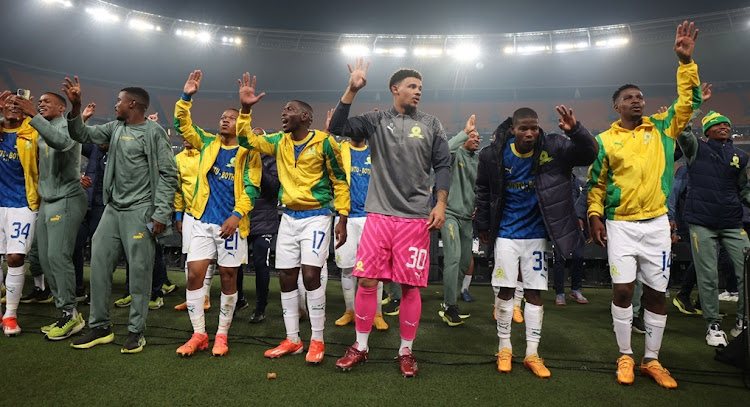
column 426, row 17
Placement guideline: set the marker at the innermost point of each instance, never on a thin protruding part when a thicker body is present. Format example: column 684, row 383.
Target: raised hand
column 684, row 42
column 247, row 92
column 706, row 91
column 72, row 90
column 26, row 105
column 88, row 111
column 154, row 117
column 358, row 75
column 4, row 97
column 329, row 114
column 470, row 124
column 193, row 83
column 566, row 120
column 662, row 109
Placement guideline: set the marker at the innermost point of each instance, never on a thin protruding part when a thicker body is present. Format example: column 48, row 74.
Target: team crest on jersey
column 735, row 161
column 367, row 161
column 416, row 131
column 544, row 158
column 646, row 137
column 613, row 271
column 360, row 266
column 230, row 164
column 499, row 273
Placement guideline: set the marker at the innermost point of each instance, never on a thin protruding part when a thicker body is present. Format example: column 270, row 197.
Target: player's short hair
column 622, row 88
column 58, row 97
column 402, row 74
column 305, row 108
column 139, row 95
column 234, row 110
column 524, row 113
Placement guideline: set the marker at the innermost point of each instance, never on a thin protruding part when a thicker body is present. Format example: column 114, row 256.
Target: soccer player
column 357, row 163
column 523, row 197
column 629, row 183
column 264, row 226
column 458, row 231
column 312, row 177
column 187, row 175
column 140, row 180
column 717, row 188
column 62, row 209
column 228, row 183
column 19, row 202
column 405, row 145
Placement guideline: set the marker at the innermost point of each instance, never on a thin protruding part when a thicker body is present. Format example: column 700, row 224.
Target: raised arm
column 354, row 126
column 459, row 139
column 56, row 137
column 77, row 130
column 583, row 148
column 689, row 95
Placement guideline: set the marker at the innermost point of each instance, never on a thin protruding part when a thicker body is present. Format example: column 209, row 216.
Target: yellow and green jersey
column 312, row 177
column 187, row 173
column 247, row 168
column 632, row 176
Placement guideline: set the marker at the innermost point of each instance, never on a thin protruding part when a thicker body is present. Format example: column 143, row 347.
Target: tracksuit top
column 247, row 168
column 632, row 176
column 463, row 178
column 187, row 174
column 59, row 159
column 312, row 181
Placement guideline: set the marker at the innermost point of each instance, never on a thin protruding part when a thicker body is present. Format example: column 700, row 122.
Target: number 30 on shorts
column 417, row 259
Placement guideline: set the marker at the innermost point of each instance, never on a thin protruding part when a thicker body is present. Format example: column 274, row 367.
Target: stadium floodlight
column 427, row 51
column 612, row 42
column 526, row 49
column 231, row 40
column 63, row 3
column 142, row 25
column 355, row 50
column 394, row 52
column 464, row 52
column 204, row 37
column 102, row 15
column 571, row 46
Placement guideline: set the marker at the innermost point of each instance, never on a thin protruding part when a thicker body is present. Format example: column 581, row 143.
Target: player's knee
column 367, row 282
column 533, row 297
column 15, row 259
column 506, row 293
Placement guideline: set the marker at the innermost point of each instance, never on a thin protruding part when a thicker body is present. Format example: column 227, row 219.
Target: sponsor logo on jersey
column 55, row 218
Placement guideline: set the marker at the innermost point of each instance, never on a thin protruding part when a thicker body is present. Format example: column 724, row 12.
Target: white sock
column 466, row 282
column 324, row 275
column 302, row 294
column 405, row 344
column 316, row 303
column 209, row 279
column 348, row 285
column 195, row 310
column 504, row 311
column 622, row 318
column 532, row 316
column 518, row 295
column 186, row 273
column 13, row 289
column 362, row 338
column 380, row 298
column 226, row 312
column 290, row 311
column 655, row 324
column 39, row 282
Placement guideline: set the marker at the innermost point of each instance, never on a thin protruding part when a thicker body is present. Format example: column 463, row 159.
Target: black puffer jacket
column 553, row 182
column 264, row 218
